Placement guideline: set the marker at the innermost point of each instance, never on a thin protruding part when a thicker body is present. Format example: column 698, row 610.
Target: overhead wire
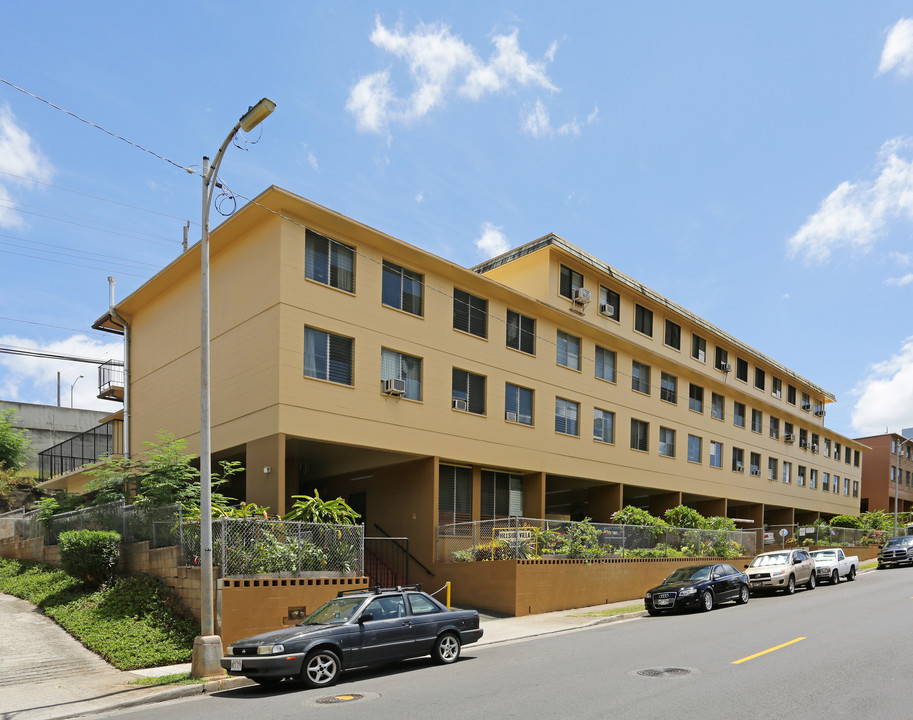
column 56, row 327
column 104, row 256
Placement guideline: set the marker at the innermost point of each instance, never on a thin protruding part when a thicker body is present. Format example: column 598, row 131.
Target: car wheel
column 446, row 649
column 851, row 575
column 810, row 585
column 706, row 601
column 835, row 577
column 743, row 595
column 321, row 668
column 790, row 585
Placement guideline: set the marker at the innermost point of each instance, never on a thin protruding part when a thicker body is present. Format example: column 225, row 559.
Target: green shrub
column 846, row 521
column 90, row 555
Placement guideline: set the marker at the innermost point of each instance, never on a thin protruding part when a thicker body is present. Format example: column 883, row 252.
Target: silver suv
column 782, row 570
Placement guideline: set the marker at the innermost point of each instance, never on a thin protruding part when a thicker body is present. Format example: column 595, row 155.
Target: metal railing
column 517, row 538
column 111, row 377
column 81, row 450
column 387, row 561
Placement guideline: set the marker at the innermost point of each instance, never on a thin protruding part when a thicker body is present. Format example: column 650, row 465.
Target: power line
column 64, row 262
column 103, row 256
column 56, row 327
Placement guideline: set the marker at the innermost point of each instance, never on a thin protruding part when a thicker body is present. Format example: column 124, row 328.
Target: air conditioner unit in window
column 581, row 296
column 739, row 468
column 726, row 367
column 511, row 416
column 814, row 447
column 803, row 443
column 789, row 438
column 459, row 404
column 607, row 309
column 819, row 413
column 394, row 386
column 701, row 355
column 756, row 473
column 806, row 406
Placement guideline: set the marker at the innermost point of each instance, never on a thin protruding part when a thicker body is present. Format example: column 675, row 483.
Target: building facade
column 888, row 472
column 542, row 383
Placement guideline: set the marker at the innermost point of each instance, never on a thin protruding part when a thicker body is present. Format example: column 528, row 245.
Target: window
column 673, row 336
column 468, row 391
column 855, row 488
column 398, row 366
column 738, row 459
column 518, row 404
column 329, row 262
column 695, row 398
column 667, row 442
column 328, row 356
column 521, row 332
column 836, row 484
column 721, row 359
column 501, row 495
column 800, row 476
column 771, row 468
column 787, row 472
column 668, row 389
column 803, row 438
column 388, row 608
column 806, row 402
column 402, row 288
column 837, row 451
column 698, row 348
column 567, row 414
column 788, row 431
column 738, row 414
column 790, row 394
column 847, row 455
column 827, row 447
column 812, row 479
column 694, row 448
column 855, row 457
column 421, row 605
column 568, row 282
column 741, row 369
column 643, row 320
column 609, row 303
column 454, row 494
column 716, row 454
column 815, row 445
column 470, row 313
column 846, row 486
column 774, row 427
column 640, row 377
column 568, row 350
column 605, row 364
column 603, row 426
column 640, row 435
column 776, row 387
column 717, row 403
column 759, row 379
column 754, row 464
column 757, row 420
column 825, row 481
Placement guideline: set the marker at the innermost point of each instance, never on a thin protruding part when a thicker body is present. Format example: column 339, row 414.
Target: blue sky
column 752, row 163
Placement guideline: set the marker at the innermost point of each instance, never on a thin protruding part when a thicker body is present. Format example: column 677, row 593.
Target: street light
column 897, row 474
column 207, row 649
column 72, row 386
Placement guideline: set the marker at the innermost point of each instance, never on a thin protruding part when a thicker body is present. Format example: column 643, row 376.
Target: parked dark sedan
column 357, row 628
column 698, row 586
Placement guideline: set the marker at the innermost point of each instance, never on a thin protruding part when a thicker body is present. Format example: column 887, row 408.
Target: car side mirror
column 746, row 567
column 366, row 617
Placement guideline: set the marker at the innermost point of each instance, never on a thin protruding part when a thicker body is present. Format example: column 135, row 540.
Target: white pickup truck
column 832, row 564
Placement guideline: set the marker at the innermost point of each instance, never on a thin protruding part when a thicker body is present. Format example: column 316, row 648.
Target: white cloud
column 900, row 281
column 18, row 156
column 420, row 198
column 897, row 53
column 855, row 214
column 886, row 395
column 311, row 159
column 439, row 64
column 536, row 122
column 34, row 380
column 491, row 242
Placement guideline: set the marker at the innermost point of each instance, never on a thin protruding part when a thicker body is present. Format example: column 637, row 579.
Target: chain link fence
column 820, row 535
column 518, row 538
column 20, row 524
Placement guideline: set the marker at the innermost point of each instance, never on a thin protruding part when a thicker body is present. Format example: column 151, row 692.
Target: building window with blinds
column 454, row 494
column 402, row 288
column 521, row 332
column 604, row 363
column 329, row 262
column 518, row 404
column 470, row 313
column 567, row 416
column 399, row 366
column 502, row 495
column 328, row 356
column 468, row 393
column 603, row 425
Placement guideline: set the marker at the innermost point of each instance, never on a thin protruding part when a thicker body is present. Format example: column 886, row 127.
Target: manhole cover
column 664, row 672
column 338, row 699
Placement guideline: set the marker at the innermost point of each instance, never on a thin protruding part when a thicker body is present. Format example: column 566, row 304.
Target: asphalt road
column 835, row 652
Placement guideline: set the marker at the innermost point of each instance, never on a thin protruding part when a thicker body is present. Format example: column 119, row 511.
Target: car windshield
column 335, row 612
column 824, row 555
column 701, row 572
column 901, row 541
column 767, row 560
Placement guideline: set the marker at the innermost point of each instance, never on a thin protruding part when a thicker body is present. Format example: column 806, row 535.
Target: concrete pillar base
column 207, row 651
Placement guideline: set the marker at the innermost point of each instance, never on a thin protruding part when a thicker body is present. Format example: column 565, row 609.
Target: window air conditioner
column 819, row 413
column 607, row 309
column 511, row 416
column 806, row 406
column 459, row 404
column 814, row 447
column 803, row 443
column 756, row 473
column 789, row 437
column 581, row 296
column 701, row 355
column 739, row 468
column 726, row 367
column 394, row 386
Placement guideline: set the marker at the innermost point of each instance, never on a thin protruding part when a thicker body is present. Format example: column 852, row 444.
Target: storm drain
column 664, row 672
column 335, row 699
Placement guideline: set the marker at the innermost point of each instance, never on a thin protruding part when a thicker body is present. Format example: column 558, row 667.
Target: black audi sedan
column 356, row 628
column 698, row 587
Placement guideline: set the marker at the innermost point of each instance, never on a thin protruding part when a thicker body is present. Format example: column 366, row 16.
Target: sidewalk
column 45, row 674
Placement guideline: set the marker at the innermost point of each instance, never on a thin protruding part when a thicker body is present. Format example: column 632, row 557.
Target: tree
column 15, row 447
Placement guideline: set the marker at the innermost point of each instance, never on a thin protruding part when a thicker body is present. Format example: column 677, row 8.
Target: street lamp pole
column 72, row 386
column 207, row 649
column 897, row 474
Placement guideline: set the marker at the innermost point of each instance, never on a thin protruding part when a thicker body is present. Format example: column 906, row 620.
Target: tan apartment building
column 543, row 383
column 887, row 472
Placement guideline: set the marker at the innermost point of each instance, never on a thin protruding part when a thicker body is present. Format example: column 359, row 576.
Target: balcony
column 111, row 381
column 82, row 450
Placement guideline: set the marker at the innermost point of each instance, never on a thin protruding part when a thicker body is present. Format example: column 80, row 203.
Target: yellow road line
column 764, row 652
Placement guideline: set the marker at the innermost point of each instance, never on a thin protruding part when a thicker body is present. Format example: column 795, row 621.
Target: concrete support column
column 534, row 495
column 710, row 508
column 603, row 501
column 664, row 501
column 266, row 468
column 476, row 492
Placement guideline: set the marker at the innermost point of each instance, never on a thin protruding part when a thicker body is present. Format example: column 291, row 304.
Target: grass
column 868, row 565
column 614, row 611
column 132, row 622
column 173, row 679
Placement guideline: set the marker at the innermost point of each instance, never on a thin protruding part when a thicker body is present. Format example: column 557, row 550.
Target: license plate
column 236, row 665
column 757, row 582
column 663, row 601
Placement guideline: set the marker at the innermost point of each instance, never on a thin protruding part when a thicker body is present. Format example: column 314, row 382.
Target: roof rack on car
column 377, row 590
